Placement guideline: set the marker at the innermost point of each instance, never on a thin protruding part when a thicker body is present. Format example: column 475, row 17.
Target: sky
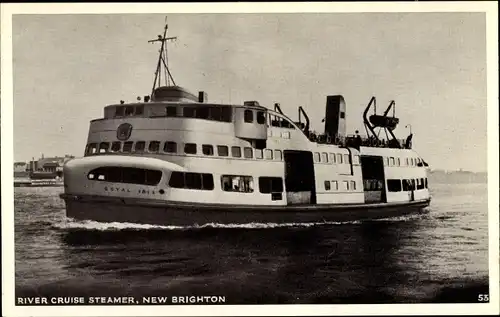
column 67, row 68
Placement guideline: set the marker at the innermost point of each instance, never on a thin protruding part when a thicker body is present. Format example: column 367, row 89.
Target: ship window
column 236, row 183
column 327, row 185
column 335, row 185
column 129, row 175
column 324, row 157
column 226, row 114
column 356, row 160
column 129, row 110
column 235, row 151
column 406, row 185
column 119, row 111
column 214, row 113
column 394, row 185
column 258, row 154
column 353, row 185
column 103, row 147
column 154, row 146
column 207, row 149
column 261, row 117
column 346, row 185
column 275, row 121
column 190, row 148
column 316, row 157
column 268, row 154
column 406, row 162
column 139, row 110
column 278, row 155
column 346, row 158
column 92, row 148
column 189, row 112
column 391, row 161
column 170, row 147
column 332, row 157
column 222, row 150
column 342, row 115
column 270, row 185
column 127, row 146
column 140, row 146
column 339, row 158
column 199, row 181
column 202, row 112
column 420, row 183
column 426, row 184
column 116, row 146
column 247, row 152
column 248, row 116
column 398, row 162
column 171, row 111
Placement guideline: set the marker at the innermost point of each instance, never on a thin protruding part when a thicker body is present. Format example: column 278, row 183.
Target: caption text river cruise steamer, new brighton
column 177, row 159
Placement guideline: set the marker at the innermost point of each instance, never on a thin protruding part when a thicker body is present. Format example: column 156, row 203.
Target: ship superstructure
column 176, row 158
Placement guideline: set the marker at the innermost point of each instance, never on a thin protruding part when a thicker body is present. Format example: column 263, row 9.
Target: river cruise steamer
column 175, row 158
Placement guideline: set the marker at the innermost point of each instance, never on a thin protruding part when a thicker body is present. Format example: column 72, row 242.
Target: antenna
column 163, row 59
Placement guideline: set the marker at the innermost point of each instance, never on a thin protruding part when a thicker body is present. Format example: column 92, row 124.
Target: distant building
column 20, row 167
column 49, row 164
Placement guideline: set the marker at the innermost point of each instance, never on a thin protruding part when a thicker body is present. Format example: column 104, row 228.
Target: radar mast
column 163, row 60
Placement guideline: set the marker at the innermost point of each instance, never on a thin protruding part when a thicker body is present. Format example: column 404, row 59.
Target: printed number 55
column 483, row 298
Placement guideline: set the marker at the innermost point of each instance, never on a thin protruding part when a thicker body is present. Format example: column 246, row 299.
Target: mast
column 163, row 60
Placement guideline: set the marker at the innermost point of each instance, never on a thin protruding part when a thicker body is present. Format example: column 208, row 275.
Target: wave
column 72, row 224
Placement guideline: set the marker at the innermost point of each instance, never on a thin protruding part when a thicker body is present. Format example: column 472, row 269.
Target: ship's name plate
column 127, row 190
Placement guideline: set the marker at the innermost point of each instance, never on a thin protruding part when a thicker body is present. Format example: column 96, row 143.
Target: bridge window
column 335, row 185
column 258, row 154
column 261, row 117
column 154, row 146
column 353, row 185
column 235, row 151
column 339, row 158
column 103, row 147
column 278, row 155
column 207, row 149
column 119, row 111
column 270, row 185
column 269, row 154
column 324, row 157
column 129, row 111
column 190, row 148
column 346, row 158
column 237, row 183
column 170, row 147
column 202, row 112
column 394, row 185
column 140, row 146
column 171, row 111
column 222, row 150
column 127, row 146
column 116, row 146
column 275, row 121
column 200, row 181
column 129, row 175
column 139, row 110
column 327, row 185
column 189, row 112
column 332, row 157
column 248, row 116
column 317, row 158
column 247, row 152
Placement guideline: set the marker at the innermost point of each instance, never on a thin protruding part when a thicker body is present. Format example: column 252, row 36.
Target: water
column 440, row 256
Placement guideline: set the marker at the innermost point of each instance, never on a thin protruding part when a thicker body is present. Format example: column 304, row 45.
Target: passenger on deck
column 358, row 142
